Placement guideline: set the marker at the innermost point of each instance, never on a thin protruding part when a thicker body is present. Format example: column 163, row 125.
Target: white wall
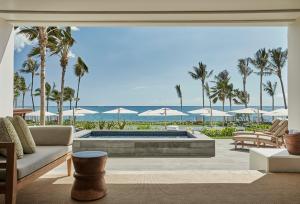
column 6, row 68
column 294, row 75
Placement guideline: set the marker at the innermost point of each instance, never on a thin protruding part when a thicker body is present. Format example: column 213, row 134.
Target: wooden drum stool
column 89, row 183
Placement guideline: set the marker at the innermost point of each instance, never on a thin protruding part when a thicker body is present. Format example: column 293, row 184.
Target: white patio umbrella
column 81, row 111
column 147, row 113
column 78, row 112
column 120, row 111
column 217, row 113
column 163, row 112
column 250, row 111
column 278, row 113
column 37, row 114
column 69, row 113
column 202, row 111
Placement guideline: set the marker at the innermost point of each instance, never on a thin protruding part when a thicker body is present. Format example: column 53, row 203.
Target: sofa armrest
column 52, row 135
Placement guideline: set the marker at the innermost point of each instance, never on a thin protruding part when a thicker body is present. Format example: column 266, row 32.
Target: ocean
column 132, row 117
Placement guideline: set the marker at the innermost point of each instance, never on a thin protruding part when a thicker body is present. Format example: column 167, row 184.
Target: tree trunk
column 70, row 104
column 283, row 92
column 273, row 106
column 244, row 89
column 210, row 112
column 223, row 104
column 23, row 98
column 47, row 103
column 181, row 108
column 230, row 103
column 260, row 94
column 31, row 92
column 42, row 43
column 77, row 95
column 63, row 73
column 77, row 99
column 203, row 105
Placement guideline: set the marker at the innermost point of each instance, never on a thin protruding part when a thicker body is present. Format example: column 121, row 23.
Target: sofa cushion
column 9, row 134
column 56, row 135
column 32, row 162
column 24, row 134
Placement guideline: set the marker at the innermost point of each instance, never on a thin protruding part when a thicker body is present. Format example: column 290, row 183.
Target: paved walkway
column 226, row 159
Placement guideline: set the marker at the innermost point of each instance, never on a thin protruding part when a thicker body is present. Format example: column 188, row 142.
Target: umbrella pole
column 165, row 119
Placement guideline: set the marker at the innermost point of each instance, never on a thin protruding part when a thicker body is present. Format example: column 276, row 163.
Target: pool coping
column 197, row 136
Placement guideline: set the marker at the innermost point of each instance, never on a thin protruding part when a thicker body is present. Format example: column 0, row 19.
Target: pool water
column 138, row 134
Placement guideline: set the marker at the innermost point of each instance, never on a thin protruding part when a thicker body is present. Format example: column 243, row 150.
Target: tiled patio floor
column 226, row 159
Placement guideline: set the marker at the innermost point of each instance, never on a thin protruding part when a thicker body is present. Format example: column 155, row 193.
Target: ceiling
column 150, row 12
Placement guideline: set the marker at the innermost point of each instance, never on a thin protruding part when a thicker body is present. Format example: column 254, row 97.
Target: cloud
column 74, row 28
column 71, row 54
column 21, row 41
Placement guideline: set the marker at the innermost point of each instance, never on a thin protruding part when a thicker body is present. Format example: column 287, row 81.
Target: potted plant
column 292, row 142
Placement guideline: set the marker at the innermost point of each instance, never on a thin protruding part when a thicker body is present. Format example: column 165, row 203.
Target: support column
column 294, row 75
column 6, row 68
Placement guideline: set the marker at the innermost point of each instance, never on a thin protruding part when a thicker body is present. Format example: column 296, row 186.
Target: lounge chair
column 271, row 138
column 273, row 128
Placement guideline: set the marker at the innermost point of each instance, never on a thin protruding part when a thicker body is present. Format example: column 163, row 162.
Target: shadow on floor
column 270, row 188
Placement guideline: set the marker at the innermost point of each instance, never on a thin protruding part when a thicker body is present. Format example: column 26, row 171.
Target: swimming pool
column 145, row 143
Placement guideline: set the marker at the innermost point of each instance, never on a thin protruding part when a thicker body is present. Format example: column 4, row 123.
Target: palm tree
column 220, row 89
column 208, row 94
column 49, row 90
column 260, row 61
column 241, row 97
column 31, row 66
column 23, row 89
column 179, row 94
column 245, row 71
column 230, row 94
column 69, row 94
column 55, row 97
column 63, row 42
column 80, row 70
column 16, row 88
column 201, row 73
column 270, row 89
column 42, row 35
column 277, row 61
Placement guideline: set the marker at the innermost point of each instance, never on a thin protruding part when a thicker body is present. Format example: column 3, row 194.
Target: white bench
column 274, row 160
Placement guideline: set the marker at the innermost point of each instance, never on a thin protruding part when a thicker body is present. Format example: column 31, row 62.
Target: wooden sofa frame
column 11, row 185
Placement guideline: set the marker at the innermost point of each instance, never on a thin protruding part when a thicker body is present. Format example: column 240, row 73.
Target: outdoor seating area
column 271, row 138
column 149, row 102
column 44, row 149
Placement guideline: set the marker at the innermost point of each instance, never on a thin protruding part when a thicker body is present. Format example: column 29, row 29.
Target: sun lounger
column 273, row 137
column 273, row 128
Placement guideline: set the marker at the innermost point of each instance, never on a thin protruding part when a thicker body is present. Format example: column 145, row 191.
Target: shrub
column 110, row 125
column 121, row 125
column 101, row 125
column 225, row 132
column 89, row 125
column 258, row 127
column 143, row 127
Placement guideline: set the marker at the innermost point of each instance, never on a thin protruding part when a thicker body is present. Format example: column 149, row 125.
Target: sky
column 142, row 65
